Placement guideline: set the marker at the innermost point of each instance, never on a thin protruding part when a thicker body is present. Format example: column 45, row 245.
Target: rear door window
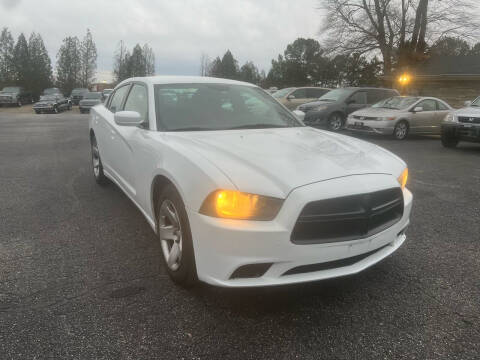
column 428, row 105
column 315, row 93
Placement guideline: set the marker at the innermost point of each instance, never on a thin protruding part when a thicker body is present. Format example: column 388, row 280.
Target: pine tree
column 69, row 64
column 6, row 58
column 229, row 66
column 21, row 61
column 40, row 76
column 88, row 53
column 137, row 62
column 215, row 69
column 120, row 62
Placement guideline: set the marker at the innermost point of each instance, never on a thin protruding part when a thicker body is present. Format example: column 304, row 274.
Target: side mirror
column 417, row 109
column 290, row 97
column 467, row 103
column 127, row 118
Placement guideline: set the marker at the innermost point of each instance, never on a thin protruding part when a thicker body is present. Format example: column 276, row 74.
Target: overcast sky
column 178, row 30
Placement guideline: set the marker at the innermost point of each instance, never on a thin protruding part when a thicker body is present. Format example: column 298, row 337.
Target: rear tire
column 400, row 132
column 176, row 238
column 97, row 166
column 448, row 140
column 335, row 122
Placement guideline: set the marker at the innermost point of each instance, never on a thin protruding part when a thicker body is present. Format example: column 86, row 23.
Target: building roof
column 450, row 65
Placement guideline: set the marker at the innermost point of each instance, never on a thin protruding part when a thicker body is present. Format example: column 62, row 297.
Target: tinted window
column 315, row 93
column 376, row 95
column 117, row 98
column 360, row 97
column 300, row 94
column 441, row 106
column 195, row 107
column 137, row 101
column 428, row 105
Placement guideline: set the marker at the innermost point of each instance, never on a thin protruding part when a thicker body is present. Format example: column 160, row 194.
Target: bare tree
column 204, row 64
column 398, row 29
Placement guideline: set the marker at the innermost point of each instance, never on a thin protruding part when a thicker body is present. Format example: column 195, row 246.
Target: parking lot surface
column 81, row 278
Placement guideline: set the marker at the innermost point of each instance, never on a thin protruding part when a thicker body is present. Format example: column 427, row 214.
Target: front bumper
column 222, row 246
column 10, row 101
column 462, row 131
column 383, row 127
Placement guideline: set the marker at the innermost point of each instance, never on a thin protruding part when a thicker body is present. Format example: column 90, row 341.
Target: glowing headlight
column 402, row 179
column 232, row 204
column 450, row 118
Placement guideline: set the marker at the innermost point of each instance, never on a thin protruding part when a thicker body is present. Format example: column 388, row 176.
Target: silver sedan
column 400, row 116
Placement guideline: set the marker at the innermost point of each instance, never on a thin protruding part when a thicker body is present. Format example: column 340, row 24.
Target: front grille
column 471, row 120
column 348, row 218
column 357, row 117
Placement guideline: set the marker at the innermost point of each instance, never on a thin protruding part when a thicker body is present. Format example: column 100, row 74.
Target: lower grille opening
column 251, row 271
column 331, row 264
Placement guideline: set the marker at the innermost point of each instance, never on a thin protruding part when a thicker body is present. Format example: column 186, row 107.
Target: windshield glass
column 11, row 89
column 476, row 102
column 335, row 95
column 107, row 91
column 51, row 91
column 282, row 93
column 396, row 102
column 47, row 97
column 196, row 107
column 93, row 95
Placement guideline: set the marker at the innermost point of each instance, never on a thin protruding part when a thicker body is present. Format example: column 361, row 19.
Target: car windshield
column 396, row 102
column 476, row 102
column 107, row 91
column 47, row 97
column 11, row 89
column 282, row 92
column 335, row 95
column 51, row 91
column 93, row 95
column 196, row 107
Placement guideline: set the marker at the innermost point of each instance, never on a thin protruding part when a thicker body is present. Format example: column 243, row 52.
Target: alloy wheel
column 401, row 130
column 170, row 232
column 335, row 122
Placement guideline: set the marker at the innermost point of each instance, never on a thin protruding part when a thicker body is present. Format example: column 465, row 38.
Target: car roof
column 158, row 80
column 366, row 88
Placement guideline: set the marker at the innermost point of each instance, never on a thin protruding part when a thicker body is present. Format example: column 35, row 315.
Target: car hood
column 471, row 111
column 45, row 102
column 275, row 161
column 314, row 104
column 377, row 112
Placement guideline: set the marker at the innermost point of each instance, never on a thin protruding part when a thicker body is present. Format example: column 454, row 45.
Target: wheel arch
column 159, row 183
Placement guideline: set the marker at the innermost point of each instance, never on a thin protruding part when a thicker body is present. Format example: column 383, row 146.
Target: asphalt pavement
column 81, row 277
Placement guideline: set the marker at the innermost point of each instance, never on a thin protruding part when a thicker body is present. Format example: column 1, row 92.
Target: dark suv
column 15, row 95
column 331, row 110
column 77, row 95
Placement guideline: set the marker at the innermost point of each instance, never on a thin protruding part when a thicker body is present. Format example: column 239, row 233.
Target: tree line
column 140, row 62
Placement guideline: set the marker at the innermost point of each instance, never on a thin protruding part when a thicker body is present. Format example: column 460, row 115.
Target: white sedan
column 239, row 191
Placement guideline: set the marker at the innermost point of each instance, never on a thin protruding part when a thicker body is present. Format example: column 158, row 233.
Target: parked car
column 89, row 100
column 15, row 95
column 462, row 125
column 77, row 95
column 293, row 97
column 106, row 93
column 243, row 195
column 332, row 109
column 52, row 104
column 400, row 116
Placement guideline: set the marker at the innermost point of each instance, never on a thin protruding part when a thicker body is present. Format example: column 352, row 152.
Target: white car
column 239, row 191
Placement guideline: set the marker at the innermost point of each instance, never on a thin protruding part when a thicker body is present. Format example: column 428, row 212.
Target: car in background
column 400, row 116
column 238, row 191
column 332, row 109
column 15, row 95
column 90, row 99
column 295, row 96
column 106, row 93
column 462, row 125
column 77, row 95
column 52, row 91
column 53, row 103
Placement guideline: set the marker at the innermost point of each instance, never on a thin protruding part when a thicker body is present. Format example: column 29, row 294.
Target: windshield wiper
column 256, row 126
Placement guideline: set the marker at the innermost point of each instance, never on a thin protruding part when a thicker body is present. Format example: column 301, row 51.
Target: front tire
column 97, row 166
column 19, row 102
column 448, row 140
column 176, row 238
column 335, row 122
column 400, row 131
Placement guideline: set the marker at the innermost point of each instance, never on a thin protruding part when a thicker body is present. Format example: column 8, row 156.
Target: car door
column 356, row 101
column 105, row 128
column 424, row 120
column 127, row 140
column 299, row 98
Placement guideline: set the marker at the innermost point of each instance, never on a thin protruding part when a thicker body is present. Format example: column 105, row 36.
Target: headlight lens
column 450, row 118
column 320, row 108
column 385, row 118
column 402, row 179
column 232, row 204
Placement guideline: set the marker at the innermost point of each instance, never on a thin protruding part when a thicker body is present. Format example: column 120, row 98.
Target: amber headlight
column 232, row 204
column 402, row 179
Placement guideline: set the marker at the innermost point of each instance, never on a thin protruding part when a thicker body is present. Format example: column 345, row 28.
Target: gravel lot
column 80, row 276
